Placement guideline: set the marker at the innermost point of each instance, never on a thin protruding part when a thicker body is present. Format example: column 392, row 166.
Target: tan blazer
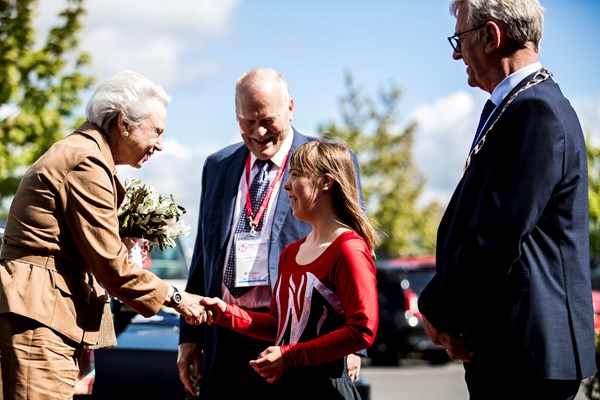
column 61, row 242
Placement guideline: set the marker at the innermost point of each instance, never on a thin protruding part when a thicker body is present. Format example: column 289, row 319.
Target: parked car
column 401, row 333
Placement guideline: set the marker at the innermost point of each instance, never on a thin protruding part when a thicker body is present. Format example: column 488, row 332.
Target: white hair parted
column 125, row 93
column 521, row 20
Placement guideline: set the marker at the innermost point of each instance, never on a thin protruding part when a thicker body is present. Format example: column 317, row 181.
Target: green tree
column 594, row 201
column 39, row 86
column 392, row 183
column 591, row 386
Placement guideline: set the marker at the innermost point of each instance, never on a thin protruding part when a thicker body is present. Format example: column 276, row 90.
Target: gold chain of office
column 539, row 77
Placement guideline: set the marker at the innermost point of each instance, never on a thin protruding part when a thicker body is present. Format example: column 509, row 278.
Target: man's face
column 264, row 118
column 472, row 51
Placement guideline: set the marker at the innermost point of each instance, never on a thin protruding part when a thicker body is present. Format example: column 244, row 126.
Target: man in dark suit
column 264, row 112
column 512, row 293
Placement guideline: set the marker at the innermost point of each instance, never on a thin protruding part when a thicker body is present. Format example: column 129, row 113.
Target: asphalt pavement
column 416, row 379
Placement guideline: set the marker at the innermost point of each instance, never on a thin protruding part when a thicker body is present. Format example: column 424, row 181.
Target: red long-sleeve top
column 320, row 311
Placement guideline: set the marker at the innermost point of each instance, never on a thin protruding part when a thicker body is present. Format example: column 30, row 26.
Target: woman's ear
column 122, row 122
column 327, row 181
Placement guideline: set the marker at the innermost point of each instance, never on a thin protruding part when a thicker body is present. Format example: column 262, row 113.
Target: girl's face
column 304, row 190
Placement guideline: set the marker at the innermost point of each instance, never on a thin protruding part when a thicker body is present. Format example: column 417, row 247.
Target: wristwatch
column 175, row 300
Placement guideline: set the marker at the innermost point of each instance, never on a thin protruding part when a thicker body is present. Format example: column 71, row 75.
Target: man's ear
column 492, row 36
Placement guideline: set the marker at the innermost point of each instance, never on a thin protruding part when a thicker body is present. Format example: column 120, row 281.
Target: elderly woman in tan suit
column 62, row 247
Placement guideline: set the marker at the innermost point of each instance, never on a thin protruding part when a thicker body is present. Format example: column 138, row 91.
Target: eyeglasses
column 455, row 40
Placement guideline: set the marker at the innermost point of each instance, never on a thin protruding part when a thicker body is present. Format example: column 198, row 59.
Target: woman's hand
column 129, row 242
column 215, row 308
column 142, row 254
column 191, row 309
column 270, row 364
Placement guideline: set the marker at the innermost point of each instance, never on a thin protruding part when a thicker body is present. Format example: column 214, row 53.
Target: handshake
column 197, row 309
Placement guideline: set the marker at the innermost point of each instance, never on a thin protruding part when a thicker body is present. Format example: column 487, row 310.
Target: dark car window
column 401, row 335
column 418, row 280
column 390, row 298
column 169, row 263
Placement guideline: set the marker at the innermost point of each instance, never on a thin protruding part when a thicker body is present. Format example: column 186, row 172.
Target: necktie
column 258, row 188
column 485, row 114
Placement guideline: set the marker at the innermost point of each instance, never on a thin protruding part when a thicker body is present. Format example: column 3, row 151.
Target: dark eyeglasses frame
column 455, row 39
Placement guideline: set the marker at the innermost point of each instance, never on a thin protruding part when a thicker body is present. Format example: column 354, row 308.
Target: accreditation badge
column 251, row 259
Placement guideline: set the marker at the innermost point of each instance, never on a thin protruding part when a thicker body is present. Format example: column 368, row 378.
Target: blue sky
column 198, row 48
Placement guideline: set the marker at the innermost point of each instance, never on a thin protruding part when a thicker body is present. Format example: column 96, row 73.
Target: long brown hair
column 323, row 156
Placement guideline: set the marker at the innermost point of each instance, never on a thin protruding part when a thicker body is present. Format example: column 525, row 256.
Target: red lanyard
column 263, row 206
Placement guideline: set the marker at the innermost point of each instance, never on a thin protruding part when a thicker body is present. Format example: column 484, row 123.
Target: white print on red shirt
column 314, row 310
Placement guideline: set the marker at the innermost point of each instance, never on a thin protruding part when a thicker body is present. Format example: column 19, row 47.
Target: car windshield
column 169, row 263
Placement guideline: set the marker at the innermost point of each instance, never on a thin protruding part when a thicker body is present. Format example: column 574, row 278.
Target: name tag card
column 251, row 259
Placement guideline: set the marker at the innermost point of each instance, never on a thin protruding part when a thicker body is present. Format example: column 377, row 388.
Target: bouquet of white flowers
column 149, row 215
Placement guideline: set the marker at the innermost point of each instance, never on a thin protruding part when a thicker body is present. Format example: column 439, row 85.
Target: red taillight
column 596, row 303
column 411, row 299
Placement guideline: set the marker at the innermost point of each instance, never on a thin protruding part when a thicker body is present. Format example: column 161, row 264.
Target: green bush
column 591, row 386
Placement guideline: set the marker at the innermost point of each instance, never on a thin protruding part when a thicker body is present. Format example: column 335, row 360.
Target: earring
column 125, row 134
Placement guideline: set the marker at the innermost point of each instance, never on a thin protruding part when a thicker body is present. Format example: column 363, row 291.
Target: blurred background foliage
column 392, row 182
column 41, row 80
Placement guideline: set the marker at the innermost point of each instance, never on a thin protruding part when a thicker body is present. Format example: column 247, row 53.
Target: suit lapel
column 231, row 176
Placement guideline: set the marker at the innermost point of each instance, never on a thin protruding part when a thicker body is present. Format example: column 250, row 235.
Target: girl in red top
column 325, row 300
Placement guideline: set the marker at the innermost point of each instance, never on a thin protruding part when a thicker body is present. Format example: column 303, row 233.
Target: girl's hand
column 270, row 364
column 215, row 308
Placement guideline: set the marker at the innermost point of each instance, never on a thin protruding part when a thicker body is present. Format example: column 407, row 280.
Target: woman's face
column 146, row 138
column 303, row 189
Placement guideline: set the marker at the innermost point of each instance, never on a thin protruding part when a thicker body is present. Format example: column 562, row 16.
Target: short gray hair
column 522, row 20
column 126, row 93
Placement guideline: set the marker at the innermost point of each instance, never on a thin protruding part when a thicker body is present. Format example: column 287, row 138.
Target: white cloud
column 588, row 110
column 149, row 36
column 445, row 130
column 157, row 58
column 176, row 170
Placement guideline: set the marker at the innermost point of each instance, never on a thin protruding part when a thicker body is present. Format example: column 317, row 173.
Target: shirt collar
column 511, row 81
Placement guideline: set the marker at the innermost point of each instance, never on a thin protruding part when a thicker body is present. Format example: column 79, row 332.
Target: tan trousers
column 36, row 363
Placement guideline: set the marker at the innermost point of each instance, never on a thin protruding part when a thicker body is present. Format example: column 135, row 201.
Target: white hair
column 125, row 93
